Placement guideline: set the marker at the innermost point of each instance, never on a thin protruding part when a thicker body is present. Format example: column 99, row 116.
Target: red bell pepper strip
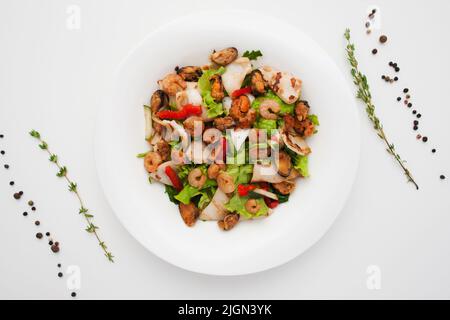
column 240, row 92
column 243, row 190
column 224, row 149
column 186, row 111
column 271, row 203
column 174, row 178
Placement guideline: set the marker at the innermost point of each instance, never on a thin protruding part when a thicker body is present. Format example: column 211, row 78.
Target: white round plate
column 145, row 210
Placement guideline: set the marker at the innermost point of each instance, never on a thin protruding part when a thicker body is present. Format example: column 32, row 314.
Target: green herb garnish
column 363, row 93
column 73, row 187
column 252, row 55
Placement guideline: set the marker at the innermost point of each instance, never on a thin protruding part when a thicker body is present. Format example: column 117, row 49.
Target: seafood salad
column 228, row 139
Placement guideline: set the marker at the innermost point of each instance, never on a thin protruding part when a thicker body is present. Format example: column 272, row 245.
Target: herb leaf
column 363, row 93
column 252, row 55
column 62, row 173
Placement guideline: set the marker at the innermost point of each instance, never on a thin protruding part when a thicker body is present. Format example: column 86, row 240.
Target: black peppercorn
column 395, row 78
column 424, row 139
column 2, row 152
column 415, row 128
column 11, row 183
column 54, row 248
column 414, row 112
column 39, row 235
column 1, row 136
column 47, row 234
column 73, row 294
column 37, row 222
column 409, row 105
column 433, row 150
column 6, row 166
column 405, row 90
column 399, row 98
column 50, row 243
column 383, row 77
column 397, row 69
column 419, row 116
column 25, row 214
column 60, row 274
column 374, row 51
column 416, row 122
column 442, row 177
column 59, row 265
column 33, row 208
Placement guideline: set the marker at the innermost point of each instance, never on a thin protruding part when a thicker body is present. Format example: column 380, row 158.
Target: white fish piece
column 284, row 84
column 235, row 73
column 215, row 210
column 191, row 95
column 226, row 102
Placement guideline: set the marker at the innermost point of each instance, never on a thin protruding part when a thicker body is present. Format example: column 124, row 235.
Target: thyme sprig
column 62, row 173
column 363, row 93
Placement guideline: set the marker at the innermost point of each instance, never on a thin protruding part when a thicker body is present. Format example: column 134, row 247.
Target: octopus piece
column 172, row 84
column 229, row 221
column 151, row 161
column 284, row 84
column 189, row 73
column 242, row 113
column 284, row 187
column 189, row 213
column 192, row 123
column 224, row 123
column 225, row 56
column 217, row 89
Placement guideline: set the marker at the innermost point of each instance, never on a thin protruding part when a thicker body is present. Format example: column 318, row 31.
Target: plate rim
column 98, row 146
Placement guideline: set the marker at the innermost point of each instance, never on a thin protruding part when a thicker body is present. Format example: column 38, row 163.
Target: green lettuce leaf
column 242, row 174
column 203, row 82
column 214, row 109
column 171, row 192
column 188, row 192
column 314, row 119
column 266, row 124
column 237, row 204
column 301, row 164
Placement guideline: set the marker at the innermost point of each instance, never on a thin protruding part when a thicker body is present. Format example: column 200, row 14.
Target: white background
column 52, row 79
